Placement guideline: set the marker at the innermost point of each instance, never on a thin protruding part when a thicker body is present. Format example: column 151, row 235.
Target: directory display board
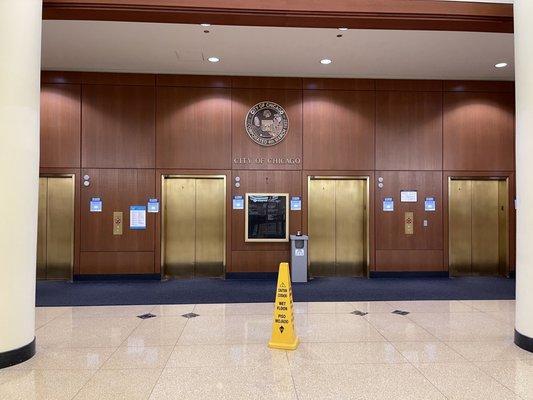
column 267, row 217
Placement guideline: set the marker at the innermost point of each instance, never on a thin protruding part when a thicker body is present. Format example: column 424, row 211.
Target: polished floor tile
column 217, row 329
column 158, row 331
column 67, row 359
column 427, row 352
column 345, row 353
column 139, row 357
column 235, row 309
column 432, row 306
column 86, row 332
column 42, row 384
column 126, row 384
column 465, row 326
column 517, row 375
column 218, row 356
column 465, row 381
column 43, row 315
column 231, row 383
column 440, row 350
column 362, row 381
column 398, row 328
column 498, row 350
column 335, row 328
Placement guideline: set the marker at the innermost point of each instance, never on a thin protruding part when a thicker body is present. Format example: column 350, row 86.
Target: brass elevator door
column 55, row 228
column 337, row 227
column 478, row 227
column 194, row 227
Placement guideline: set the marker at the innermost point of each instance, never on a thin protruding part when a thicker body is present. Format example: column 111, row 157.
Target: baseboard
column 17, row 356
column 117, row 277
column 523, row 341
column 409, row 274
column 252, row 275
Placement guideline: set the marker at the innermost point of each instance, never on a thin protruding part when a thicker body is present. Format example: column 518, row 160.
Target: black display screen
column 267, row 217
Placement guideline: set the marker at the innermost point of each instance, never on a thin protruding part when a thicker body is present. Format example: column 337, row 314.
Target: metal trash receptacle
column 299, row 258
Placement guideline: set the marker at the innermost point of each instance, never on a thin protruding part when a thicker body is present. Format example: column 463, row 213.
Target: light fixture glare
column 213, row 59
column 501, row 65
column 325, row 61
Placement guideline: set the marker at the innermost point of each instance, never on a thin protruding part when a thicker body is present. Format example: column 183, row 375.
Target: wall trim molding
column 17, row 356
column 355, row 14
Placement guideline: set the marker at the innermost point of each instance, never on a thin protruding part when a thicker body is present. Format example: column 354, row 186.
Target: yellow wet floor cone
column 283, row 334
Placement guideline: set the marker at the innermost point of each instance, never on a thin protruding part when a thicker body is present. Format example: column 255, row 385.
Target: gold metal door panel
column 485, row 249
column 321, row 227
column 503, row 224
column 349, row 227
column 179, row 227
column 55, row 229
column 210, row 227
column 460, row 227
column 41, row 229
column 478, row 227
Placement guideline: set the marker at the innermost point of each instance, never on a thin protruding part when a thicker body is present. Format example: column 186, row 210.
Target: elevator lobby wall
column 127, row 131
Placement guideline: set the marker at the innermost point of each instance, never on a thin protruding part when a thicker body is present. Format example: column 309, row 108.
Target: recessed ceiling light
column 205, row 25
column 325, row 61
column 501, row 65
column 343, row 29
column 213, row 59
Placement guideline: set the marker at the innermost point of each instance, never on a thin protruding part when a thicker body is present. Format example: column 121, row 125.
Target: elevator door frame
column 73, row 199
column 163, row 216
column 366, row 179
column 506, row 269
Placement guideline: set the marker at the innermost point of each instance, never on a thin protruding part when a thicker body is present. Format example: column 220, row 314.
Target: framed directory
column 267, row 218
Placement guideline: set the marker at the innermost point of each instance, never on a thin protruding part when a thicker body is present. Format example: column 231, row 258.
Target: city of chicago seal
column 267, row 123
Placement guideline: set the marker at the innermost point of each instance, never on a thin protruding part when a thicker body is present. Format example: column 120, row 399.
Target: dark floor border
column 523, row 341
column 251, row 275
column 413, row 274
column 17, row 356
column 117, row 277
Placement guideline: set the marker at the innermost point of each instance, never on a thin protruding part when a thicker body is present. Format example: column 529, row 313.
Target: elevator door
column 478, row 227
column 194, row 227
column 55, row 228
column 337, row 227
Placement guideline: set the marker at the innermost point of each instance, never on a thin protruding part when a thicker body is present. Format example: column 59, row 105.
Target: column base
column 17, row 356
column 522, row 341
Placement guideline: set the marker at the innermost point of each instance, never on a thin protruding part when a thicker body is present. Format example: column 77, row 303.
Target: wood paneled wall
column 125, row 130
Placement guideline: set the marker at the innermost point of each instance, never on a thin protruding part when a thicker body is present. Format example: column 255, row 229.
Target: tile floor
column 440, row 350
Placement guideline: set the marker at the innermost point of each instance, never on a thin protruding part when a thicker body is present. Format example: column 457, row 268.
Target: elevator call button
column 117, row 222
column 409, row 223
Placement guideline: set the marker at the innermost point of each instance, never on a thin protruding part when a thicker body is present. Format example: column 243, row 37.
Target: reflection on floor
column 440, row 350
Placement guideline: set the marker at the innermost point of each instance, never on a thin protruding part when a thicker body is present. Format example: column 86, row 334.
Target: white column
column 523, row 14
column 20, row 65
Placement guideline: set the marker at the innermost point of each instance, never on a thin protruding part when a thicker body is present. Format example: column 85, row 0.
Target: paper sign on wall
column 95, row 204
column 153, row 206
column 408, row 196
column 238, row 202
column 137, row 217
column 430, row 204
column 388, row 204
column 296, row 203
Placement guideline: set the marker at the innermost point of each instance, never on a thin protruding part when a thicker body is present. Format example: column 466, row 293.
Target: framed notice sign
column 137, row 217
column 408, row 196
column 267, row 217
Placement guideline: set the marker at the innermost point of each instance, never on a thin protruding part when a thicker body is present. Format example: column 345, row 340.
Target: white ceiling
column 271, row 51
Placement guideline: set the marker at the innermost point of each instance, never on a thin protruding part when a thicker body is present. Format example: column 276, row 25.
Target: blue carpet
column 197, row 291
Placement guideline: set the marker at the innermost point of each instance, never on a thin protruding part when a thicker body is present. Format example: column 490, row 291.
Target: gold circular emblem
column 267, row 123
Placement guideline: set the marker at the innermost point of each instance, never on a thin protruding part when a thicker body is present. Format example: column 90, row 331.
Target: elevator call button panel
column 118, row 218
column 409, row 223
